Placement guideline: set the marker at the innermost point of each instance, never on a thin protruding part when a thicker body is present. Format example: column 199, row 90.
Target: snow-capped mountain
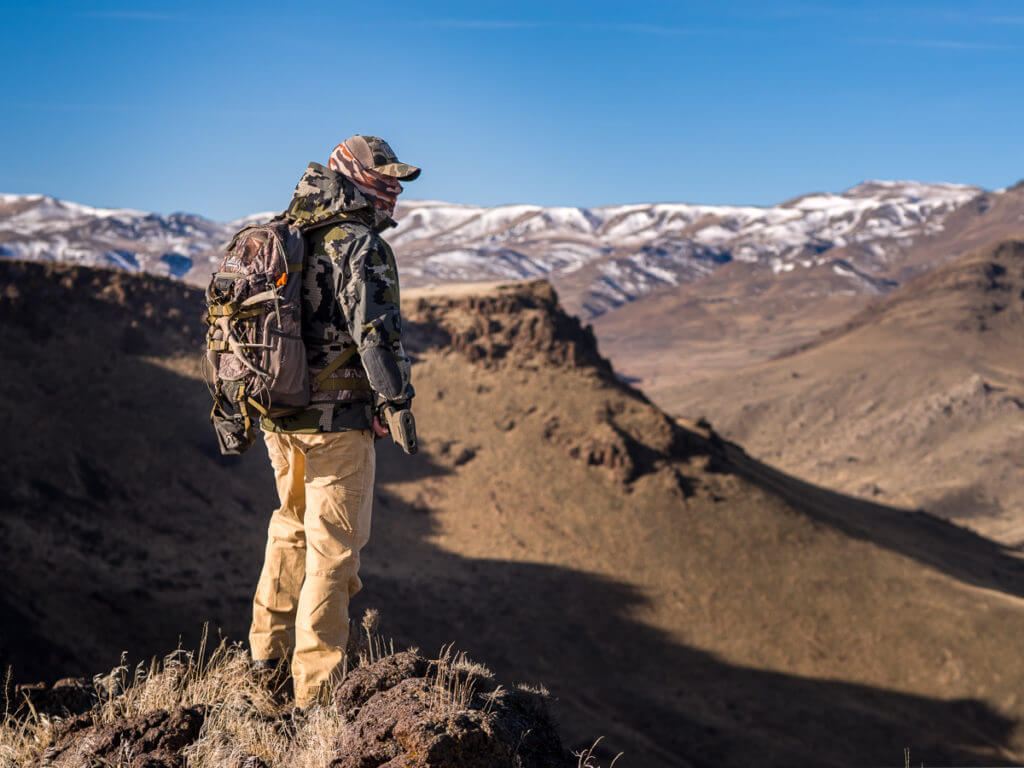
column 606, row 255
column 41, row 228
column 614, row 254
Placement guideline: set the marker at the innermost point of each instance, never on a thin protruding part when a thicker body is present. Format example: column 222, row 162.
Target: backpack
column 255, row 357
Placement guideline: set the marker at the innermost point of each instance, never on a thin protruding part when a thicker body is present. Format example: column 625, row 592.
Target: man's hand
column 397, row 420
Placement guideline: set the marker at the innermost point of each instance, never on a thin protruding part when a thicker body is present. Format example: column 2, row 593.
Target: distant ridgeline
column 599, row 257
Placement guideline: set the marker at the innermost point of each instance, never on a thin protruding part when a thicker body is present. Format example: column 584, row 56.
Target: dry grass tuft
column 586, row 758
column 243, row 718
column 454, row 682
column 184, row 679
column 373, row 647
column 20, row 740
column 535, row 689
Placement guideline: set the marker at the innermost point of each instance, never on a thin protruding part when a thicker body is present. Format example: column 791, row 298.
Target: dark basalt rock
column 362, row 683
column 153, row 740
column 401, row 717
column 67, row 697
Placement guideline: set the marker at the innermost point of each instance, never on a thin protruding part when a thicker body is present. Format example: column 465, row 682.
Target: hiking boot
column 274, row 676
column 267, row 665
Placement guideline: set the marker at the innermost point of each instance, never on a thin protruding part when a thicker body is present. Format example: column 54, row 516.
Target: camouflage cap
column 375, row 153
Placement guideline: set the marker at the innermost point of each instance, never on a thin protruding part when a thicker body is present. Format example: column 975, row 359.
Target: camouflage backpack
column 254, row 344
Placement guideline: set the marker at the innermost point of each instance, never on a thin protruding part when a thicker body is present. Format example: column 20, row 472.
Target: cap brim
column 400, row 171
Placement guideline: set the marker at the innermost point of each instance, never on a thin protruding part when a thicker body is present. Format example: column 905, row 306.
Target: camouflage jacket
column 351, row 316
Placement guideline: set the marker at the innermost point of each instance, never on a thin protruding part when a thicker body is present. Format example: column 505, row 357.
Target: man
column 323, row 456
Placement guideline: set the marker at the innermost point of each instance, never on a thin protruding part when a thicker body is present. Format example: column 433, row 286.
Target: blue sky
column 215, row 108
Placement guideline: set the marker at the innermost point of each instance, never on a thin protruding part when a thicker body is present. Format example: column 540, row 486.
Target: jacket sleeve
column 369, row 298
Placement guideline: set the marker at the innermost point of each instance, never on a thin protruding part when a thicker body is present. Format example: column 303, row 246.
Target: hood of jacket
column 323, row 196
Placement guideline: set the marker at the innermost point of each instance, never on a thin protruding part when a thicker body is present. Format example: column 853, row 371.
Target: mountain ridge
column 600, row 257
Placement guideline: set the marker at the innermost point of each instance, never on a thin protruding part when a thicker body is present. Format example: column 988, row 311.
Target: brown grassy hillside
column 743, row 314
column 694, row 606
column 917, row 401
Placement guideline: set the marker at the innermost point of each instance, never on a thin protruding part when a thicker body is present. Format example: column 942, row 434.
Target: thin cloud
column 128, row 15
column 69, row 106
column 151, row 108
column 887, row 12
column 482, row 24
column 949, row 45
column 645, row 29
column 642, row 29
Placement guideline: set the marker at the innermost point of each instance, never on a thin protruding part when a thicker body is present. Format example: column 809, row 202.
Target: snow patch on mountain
column 610, row 254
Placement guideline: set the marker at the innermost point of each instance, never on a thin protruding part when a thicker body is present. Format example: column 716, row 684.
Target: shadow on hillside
column 932, row 541
column 661, row 702
column 122, row 528
column 128, row 542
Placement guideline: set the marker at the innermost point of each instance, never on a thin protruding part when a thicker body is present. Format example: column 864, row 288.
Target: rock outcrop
column 404, row 711
column 153, row 740
column 401, row 710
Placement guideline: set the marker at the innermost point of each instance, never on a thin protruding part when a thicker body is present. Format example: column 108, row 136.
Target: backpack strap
column 334, row 365
column 337, row 385
column 325, row 383
column 259, row 408
column 341, row 218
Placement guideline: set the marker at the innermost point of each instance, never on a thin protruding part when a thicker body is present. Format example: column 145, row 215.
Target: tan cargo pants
column 311, row 569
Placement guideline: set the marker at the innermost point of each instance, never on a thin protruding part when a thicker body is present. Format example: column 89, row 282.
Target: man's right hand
column 379, row 429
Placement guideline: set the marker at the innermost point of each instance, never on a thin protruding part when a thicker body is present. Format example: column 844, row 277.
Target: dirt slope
column 739, row 316
column 917, row 401
column 692, row 605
